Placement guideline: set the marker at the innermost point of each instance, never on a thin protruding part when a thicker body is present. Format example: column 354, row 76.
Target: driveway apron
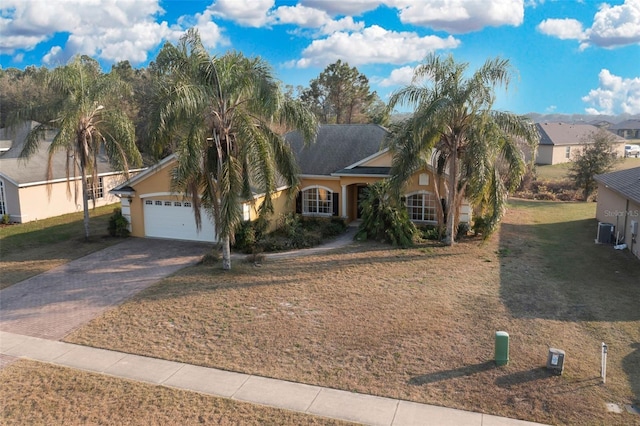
column 53, row 304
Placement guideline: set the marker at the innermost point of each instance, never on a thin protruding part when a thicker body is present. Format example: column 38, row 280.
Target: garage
column 175, row 220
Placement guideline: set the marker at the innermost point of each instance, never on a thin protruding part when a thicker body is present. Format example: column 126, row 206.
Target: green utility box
column 502, row 348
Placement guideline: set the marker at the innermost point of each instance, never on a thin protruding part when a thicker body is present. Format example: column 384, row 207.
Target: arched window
column 421, row 207
column 317, row 201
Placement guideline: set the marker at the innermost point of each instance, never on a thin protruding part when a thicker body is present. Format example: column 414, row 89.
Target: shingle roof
column 337, row 146
column 624, row 182
column 25, row 171
column 566, row 134
column 626, row 125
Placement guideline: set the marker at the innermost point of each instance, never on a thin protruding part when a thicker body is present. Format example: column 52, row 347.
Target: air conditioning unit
column 606, row 233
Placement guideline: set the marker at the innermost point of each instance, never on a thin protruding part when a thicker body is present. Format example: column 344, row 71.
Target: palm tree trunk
column 449, row 238
column 226, row 254
column 85, row 203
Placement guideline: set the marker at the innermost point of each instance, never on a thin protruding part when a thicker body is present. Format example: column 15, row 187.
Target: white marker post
column 603, row 364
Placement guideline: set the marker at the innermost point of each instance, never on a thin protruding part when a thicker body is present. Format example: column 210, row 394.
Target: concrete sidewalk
column 314, row 400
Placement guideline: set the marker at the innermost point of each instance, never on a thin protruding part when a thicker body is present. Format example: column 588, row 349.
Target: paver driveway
column 53, row 304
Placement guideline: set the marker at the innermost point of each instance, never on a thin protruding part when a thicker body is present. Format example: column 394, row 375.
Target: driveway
column 53, row 304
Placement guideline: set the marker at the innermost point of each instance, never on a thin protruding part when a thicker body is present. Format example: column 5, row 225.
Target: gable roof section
column 567, row 134
column 337, row 147
column 33, row 171
column 624, row 182
column 127, row 187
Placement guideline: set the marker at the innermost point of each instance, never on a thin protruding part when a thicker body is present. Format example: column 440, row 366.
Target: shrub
column 118, row 224
column 463, row 230
column 384, row 218
column 431, row 232
column 480, row 225
column 6, row 219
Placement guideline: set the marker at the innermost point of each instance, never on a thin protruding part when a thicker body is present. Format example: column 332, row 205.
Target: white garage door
column 175, row 219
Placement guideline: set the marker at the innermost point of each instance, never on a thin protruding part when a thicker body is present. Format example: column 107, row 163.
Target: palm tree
column 219, row 114
column 473, row 149
column 89, row 123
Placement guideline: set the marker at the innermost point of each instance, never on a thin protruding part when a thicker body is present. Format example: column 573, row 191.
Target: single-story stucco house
column 619, row 205
column 561, row 142
column 334, row 171
column 26, row 194
column 628, row 129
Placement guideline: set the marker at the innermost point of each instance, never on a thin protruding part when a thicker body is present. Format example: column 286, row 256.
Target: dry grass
column 415, row 324
column 48, row 395
column 32, row 248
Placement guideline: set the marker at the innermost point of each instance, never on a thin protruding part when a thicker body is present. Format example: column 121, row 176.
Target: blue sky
column 571, row 56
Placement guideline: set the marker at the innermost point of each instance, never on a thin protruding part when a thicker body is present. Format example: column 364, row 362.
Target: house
column 619, row 205
column 628, row 129
column 26, row 194
column 560, row 142
column 335, row 170
column 343, row 161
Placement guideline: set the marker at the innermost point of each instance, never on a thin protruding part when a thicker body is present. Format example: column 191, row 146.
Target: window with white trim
column 421, row 207
column 567, row 152
column 3, row 205
column 98, row 190
column 317, row 201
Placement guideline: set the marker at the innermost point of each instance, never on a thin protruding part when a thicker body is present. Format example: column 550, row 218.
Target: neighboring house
column 26, row 194
column 561, row 142
column 628, row 129
column 335, row 170
column 619, row 205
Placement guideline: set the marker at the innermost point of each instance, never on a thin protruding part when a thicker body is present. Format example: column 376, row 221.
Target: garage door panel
column 172, row 219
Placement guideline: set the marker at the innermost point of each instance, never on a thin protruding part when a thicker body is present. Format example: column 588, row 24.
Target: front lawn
column 31, row 248
column 415, row 324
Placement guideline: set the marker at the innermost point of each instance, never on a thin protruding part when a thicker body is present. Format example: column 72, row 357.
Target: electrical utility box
column 502, row 348
column 555, row 361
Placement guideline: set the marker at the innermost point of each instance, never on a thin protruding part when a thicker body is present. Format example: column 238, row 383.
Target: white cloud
column 398, row 77
column 613, row 26
column 373, row 45
column 251, row 13
column 616, row 25
column 307, row 17
column 344, row 7
column 112, row 30
column 615, row 95
column 462, row 16
column 564, row 29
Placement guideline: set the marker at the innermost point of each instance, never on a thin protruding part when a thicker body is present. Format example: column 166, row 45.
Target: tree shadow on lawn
column 556, row 271
column 631, row 366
